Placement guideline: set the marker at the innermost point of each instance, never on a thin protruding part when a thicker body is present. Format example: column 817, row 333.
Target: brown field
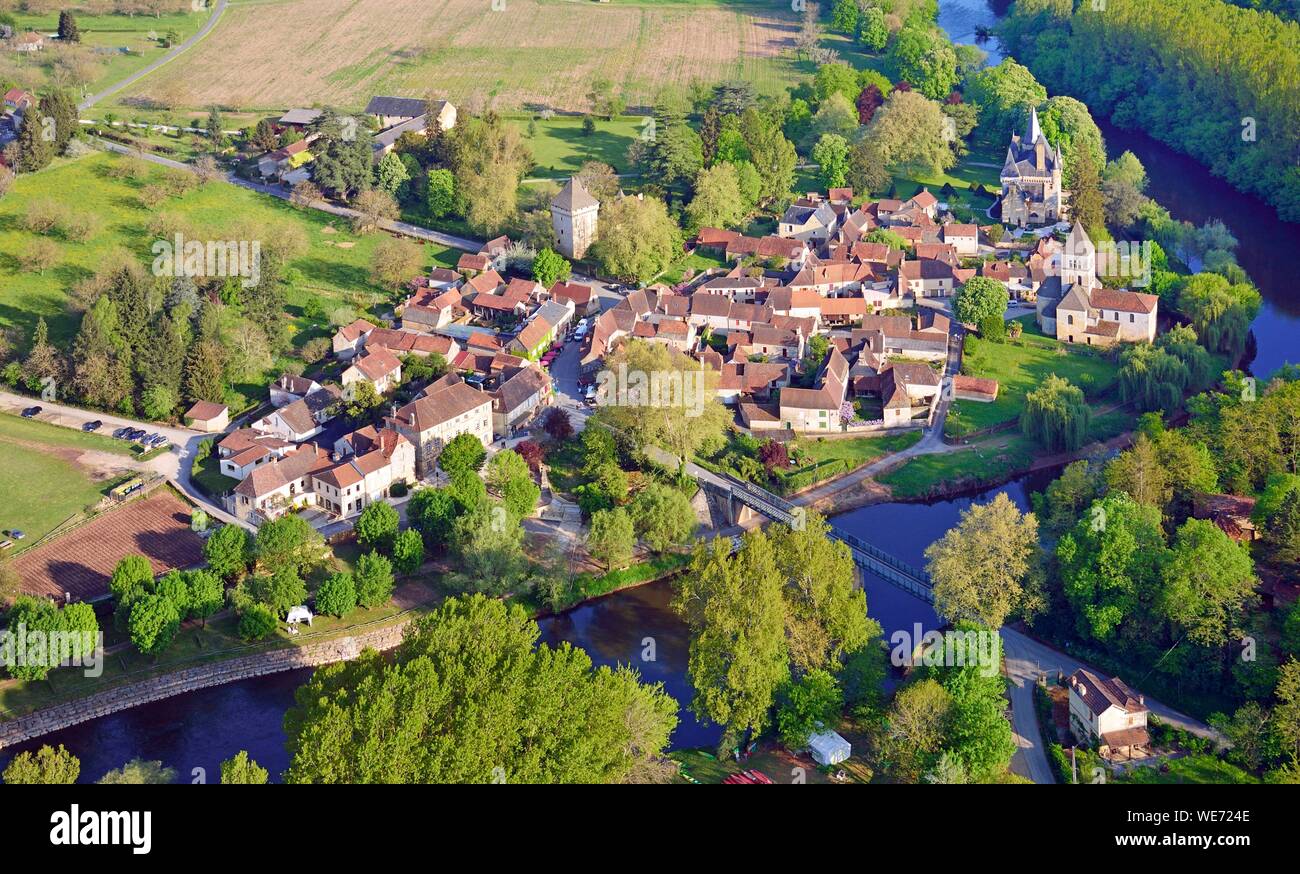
column 81, row 561
column 268, row 54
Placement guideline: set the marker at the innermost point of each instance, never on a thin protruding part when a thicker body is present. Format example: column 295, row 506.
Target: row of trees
column 58, row 766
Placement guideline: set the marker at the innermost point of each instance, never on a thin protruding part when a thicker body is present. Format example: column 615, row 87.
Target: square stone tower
column 573, row 218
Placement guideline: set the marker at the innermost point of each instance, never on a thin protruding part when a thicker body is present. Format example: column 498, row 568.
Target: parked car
column 148, row 439
column 122, row 433
column 18, row 535
column 136, row 434
column 159, row 440
column 92, row 426
column 31, row 411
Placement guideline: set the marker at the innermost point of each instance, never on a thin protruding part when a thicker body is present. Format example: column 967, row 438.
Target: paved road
column 145, row 71
column 1026, row 659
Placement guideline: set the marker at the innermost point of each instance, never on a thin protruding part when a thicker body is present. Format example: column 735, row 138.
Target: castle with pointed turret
column 1031, row 179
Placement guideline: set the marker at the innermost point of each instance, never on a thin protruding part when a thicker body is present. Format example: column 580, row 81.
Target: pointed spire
column 1035, row 130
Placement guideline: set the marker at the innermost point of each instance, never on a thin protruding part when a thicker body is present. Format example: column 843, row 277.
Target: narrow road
column 404, row 228
column 145, row 71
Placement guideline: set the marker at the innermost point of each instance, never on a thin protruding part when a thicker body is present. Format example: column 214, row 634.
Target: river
column 637, row 627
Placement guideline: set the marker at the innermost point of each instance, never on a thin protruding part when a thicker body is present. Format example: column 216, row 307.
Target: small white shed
column 299, row 614
column 828, row 748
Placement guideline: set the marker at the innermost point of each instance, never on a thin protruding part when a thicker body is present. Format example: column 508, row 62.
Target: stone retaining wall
column 200, row 677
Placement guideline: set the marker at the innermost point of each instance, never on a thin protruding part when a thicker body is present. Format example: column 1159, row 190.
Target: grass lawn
column 127, row 36
column 989, row 461
column 856, row 451
column 41, row 482
column 694, row 261
column 560, row 147
column 335, row 265
column 1019, row 367
column 211, row 479
column 1191, row 769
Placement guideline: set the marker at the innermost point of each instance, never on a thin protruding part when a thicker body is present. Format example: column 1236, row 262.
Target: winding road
column 171, row 55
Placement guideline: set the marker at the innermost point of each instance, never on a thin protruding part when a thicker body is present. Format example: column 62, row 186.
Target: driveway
column 145, row 71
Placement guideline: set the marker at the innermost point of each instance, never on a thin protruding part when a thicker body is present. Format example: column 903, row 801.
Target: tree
column 153, row 623
column 373, row 579
column 772, row 155
column 600, row 180
column 440, row 194
column 131, row 575
column 923, row 56
column 305, row 193
column 463, row 452
column 479, row 703
column 808, row 705
column 138, row 772
column 68, row 30
column 1087, row 206
column 910, row 134
column 372, row 208
column 550, row 267
column 1003, row 94
column 1282, row 534
column 831, row 154
column 60, row 108
column 396, row 262
column 1286, row 713
column 978, row 734
column 1110, row 566
column 683, row 416
column 432, row 512
column 611, row 538
column 914, row 729
column 47, row 766
column 242, row 769
column 337, row 596
column 873, row 32
column 376, row 528
column 408, row 551
column 508, row 474
column 718, row 202
column 979, row 568
column 1056, row 415
column 344, row 158
column 489, row 159
column 41, row 636
column 1208, row 582
column 555, row 424
column 257, row 622
column 663, row 517
column 390, row 174
column 980, row 298
column 845, row 15
column 227, row 551
column 35, row 150
column 206, row 594
column 288, row 542
column 638, row 239
column 733, row 608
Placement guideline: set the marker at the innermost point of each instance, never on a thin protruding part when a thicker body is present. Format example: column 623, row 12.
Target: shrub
column 256, row 623
column 337, row 596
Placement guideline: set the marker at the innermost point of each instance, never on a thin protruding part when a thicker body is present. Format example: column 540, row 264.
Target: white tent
column 828, row 748
column 299, row 614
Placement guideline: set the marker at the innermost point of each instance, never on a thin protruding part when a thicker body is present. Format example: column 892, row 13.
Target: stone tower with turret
column 574, row 214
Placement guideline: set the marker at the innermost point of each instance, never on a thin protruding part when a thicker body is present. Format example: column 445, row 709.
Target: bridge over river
column 741, row 496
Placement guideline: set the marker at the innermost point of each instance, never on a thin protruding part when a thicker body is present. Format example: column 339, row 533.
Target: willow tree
column 1056, row 415
column 1152, row 379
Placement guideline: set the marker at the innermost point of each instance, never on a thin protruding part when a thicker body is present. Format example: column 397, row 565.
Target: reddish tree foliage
column 556, row 424
column 954, row 98
column 531, row 453
column 868, row 102
column 773, row 454
column 903, row 86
